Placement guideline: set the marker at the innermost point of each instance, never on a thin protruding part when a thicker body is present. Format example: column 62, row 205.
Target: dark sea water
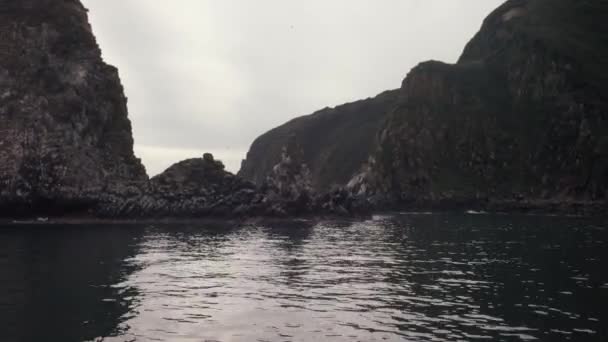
column 404, row 277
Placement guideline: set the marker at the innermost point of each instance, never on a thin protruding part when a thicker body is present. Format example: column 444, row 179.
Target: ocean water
column 398, row 277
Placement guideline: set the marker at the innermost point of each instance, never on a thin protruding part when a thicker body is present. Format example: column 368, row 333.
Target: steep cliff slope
column 522, row 116
column 336, row 141
column 65, row 139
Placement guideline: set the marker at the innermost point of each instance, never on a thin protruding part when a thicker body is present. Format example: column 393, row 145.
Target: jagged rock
column 65, row 139
column 288, row 190
column 191, row 188
column 289, row 184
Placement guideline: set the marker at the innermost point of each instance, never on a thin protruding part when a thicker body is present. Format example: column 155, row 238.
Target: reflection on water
column 394, row 278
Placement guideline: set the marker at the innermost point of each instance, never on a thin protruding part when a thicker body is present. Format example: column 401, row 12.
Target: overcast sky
column 212, row 75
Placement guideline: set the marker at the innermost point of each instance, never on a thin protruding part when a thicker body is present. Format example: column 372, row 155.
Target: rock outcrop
column 520, row 121
column 197, row 187
column 66, row 146
column 200, row 187
column 522, row 117
column 288, row 188
column 335, row 142
column 65, row 138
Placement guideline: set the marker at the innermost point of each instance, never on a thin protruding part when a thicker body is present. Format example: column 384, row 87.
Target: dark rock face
column 522, row 117
column 200, row 187
column 520, row 121
column 65, row 139
column 66, row 145
column 335, row 142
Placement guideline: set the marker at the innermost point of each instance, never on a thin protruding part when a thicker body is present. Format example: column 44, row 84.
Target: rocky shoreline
column 517, row 125
column 198, row 188
column 529, row 208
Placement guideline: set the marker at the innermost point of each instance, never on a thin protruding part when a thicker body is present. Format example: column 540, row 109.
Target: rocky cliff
column 522, row 117
column 335, row 142
column 66, row 146
column 65, row 139
column 520, row 120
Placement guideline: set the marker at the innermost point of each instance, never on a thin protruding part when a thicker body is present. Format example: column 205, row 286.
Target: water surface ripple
column 392, row 278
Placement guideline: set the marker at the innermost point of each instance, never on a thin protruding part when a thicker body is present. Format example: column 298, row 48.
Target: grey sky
column 212, row 75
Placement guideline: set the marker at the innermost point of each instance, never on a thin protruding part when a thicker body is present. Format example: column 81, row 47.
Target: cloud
column 206, row 74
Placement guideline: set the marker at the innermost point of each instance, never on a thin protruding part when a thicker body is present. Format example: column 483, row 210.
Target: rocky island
column 520, row 122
